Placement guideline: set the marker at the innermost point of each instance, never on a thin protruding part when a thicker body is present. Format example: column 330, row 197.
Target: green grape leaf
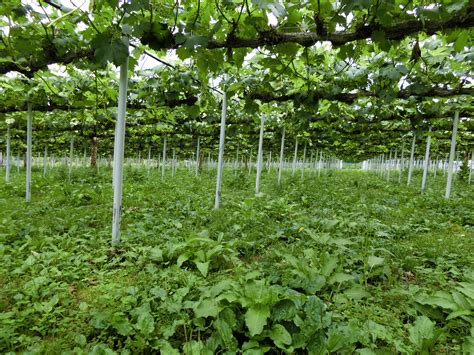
column 462, row 40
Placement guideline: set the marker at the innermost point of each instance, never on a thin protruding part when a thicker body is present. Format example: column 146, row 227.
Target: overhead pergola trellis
column 261, row 35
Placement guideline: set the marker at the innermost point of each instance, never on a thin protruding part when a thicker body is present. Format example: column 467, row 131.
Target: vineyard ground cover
column 343, row 263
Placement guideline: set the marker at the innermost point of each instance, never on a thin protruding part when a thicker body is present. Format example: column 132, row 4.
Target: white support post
column 395, row 160
column 45, row 160
column 220, row 160
column 71, row 152
column 451, row 155
column 294, row 158
column 119, row 143
column 197, row 155
column 282, row 154
column 320, row 162
column 173, row 163
column 236, row 163
column 304, row 162
column 471, row 168
column 163, row 160
column 382, row 165
column 389, row 167
column 259, row 155
column 7, row 166
column 29, row 133
column 412, row 157
column 250, row 162
column 445, row 164
column 426, row 161
column 269, row 162
column 148, row 162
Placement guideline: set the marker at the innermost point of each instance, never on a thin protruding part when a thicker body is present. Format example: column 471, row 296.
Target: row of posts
column 316, row 162
column 384, row 165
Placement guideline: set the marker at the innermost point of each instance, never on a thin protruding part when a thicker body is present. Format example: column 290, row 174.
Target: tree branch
column 464, row 19
column 349, row 98
column 168, row 102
